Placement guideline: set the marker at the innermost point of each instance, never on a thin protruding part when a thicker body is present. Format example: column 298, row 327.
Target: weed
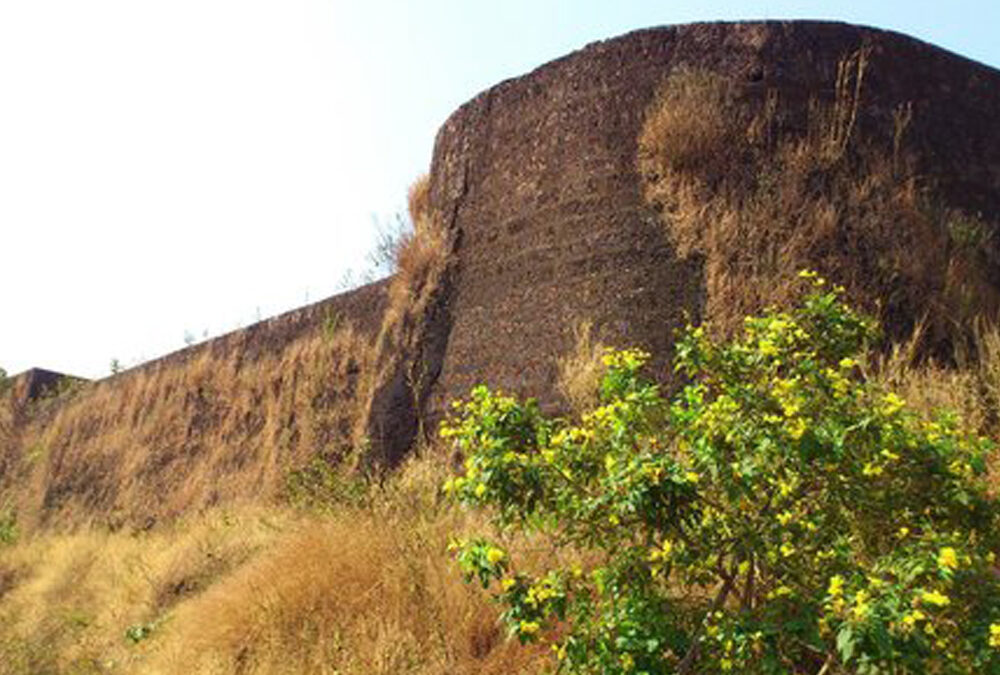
column 8, row 525
column 138, row 632
column 320, row 486
column 581, row 370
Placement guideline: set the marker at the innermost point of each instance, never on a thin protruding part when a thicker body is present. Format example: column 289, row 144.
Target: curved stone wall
column 537, row 176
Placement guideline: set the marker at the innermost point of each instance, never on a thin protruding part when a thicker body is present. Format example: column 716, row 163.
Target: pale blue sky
column 179, row 166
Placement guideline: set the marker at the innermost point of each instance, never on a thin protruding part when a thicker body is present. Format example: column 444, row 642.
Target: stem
column 687, row 663
column 749, row 589
column 826, row 665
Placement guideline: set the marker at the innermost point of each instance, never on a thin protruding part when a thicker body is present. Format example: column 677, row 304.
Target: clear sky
column 181, row 167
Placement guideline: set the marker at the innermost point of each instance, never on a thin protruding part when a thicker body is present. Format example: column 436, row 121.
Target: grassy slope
column 365, row 587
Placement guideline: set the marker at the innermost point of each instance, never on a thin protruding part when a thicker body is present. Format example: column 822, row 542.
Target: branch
column 687, row 663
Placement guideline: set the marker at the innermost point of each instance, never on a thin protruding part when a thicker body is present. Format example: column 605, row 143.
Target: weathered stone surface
column 538, row 176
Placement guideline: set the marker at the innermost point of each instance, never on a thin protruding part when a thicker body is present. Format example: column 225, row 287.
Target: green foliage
column 321, row 486
column 139, row 632
column 8, row 525
column 782, row 514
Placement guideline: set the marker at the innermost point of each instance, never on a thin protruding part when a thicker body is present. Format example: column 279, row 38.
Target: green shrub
column 782, row 514
column 8, row 525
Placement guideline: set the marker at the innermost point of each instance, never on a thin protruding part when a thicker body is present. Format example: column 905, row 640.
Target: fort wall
column 535, row 182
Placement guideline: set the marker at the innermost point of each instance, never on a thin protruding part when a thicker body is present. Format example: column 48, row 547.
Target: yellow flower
column 870, row 469
column 787, row 549
column 780, row 592
column 507, row 584
column 767, row 348
column 528, row 627
column 796, row 428
column 995, row 635
column 691, row 477
column 494, row 555
column 861, row 607
column 935, row 598
column 661, row 553
column 836, row 586
column 947, row 558
column 892, row 404
column 480, row 489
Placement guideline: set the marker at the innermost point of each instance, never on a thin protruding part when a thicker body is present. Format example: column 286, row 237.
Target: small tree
column 782, row 514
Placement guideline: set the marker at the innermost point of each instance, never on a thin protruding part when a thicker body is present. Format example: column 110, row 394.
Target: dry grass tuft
column 581, row 370
column 971, row 389
column 757, row 200
column 419, row 199
column 688, row 123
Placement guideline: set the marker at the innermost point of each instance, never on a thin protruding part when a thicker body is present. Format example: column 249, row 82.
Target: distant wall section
column 217, row 422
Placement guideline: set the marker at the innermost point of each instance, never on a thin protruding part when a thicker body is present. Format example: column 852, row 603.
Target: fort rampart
column 536, row 183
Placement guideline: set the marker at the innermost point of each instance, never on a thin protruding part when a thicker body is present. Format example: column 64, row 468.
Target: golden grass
column 69, row 598
column 971, row 389
column 757, row 201
column 419, row 199
column 580, row 371
column 420, row 256
column 364, row 590
column 220, row 427
column 222, row 423
column 422, row 261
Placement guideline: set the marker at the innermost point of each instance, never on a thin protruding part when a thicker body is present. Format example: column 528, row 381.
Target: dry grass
column 580, row 371
column 422, row 262
column 220, row 427
column 972, row 389
column 419, row 199
column 420, row 257
column 70, row 598
column 365, row 590
column 757, row 201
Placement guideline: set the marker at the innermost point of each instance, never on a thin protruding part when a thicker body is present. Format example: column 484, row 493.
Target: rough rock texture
column 538, row 175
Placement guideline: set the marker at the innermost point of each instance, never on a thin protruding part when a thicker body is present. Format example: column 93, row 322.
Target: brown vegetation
column 410, row 344
column 759, row 191
column 580, row 370
column 368, row 589
column 157, row 442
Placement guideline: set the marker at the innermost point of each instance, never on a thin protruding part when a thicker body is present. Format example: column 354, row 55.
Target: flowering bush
column 782, row 514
